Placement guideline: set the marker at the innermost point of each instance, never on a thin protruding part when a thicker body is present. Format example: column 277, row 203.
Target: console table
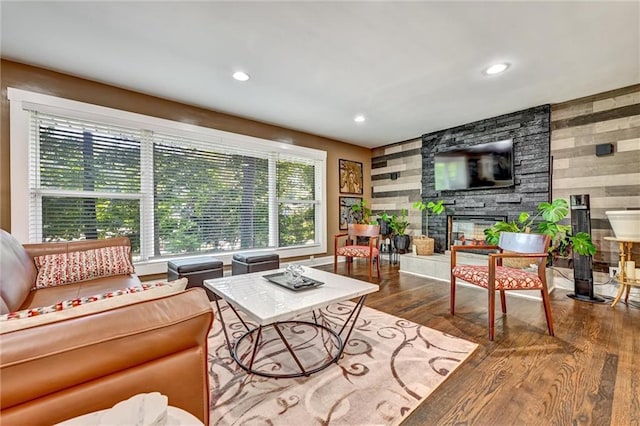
column 625, row 247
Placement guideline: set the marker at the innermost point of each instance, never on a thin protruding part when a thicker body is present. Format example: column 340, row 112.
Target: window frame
column 21, row 102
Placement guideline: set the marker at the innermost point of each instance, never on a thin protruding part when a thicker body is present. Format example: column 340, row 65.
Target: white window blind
column 84, row 180
column 296, row 202
column 208, row 197
column 171, row 193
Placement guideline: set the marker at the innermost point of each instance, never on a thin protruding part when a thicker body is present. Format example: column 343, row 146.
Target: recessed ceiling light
column 359, row 118
column 241, row 76
column 496, row 68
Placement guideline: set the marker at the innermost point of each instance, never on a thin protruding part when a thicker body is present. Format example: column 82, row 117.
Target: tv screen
column 488, row 165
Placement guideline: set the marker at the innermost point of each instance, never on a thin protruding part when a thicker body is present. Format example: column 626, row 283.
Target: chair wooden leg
column 492, row 312
column 370, row 268
column 503, row 302
column 335, row 263
column 378, row 265
column 452, row 297
column 547, row 311
column 349, row 264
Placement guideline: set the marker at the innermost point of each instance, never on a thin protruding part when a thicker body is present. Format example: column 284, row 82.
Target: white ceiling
column 409, row 67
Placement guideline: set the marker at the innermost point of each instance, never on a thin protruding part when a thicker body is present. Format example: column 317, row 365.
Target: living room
column 397, row 172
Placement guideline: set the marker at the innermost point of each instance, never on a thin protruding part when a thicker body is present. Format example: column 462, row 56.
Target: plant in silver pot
column 562, row 242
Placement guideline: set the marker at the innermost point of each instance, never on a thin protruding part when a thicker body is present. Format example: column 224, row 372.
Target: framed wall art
column 345, row 213
column 350, row 177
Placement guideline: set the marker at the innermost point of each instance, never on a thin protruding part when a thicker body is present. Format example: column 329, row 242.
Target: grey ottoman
column 196, row 270
column 244, row 263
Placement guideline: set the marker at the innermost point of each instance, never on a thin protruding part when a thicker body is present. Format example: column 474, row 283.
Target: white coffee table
column 270, row 305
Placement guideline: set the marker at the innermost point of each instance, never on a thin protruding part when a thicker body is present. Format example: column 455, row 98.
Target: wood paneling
column 612, row 181
column 405, row 161
column 66, row 86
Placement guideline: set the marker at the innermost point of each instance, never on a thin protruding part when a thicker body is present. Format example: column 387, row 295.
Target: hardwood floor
column 588, row 374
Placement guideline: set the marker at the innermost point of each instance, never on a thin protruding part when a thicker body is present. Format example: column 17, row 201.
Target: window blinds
column 171, row 194
column 85, row 180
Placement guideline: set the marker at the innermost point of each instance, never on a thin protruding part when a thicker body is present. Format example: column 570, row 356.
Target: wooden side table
column 625, row 246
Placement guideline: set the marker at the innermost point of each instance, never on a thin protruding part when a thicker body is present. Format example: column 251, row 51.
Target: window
column 173, row 189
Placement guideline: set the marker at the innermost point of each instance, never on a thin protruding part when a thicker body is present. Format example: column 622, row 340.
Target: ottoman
column 244, row 263
column 196, row 270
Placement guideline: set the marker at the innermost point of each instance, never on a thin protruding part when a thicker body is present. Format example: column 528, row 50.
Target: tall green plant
column 551, row 213
column 435, row 208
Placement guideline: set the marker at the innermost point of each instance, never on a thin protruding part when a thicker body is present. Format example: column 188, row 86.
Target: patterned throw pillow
column 72, row 303
column 66, row 268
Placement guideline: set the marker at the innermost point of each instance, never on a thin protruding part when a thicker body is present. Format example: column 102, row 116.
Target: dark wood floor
column 588, row 374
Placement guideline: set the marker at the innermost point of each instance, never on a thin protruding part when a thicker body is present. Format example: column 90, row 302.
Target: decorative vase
column 384, row 227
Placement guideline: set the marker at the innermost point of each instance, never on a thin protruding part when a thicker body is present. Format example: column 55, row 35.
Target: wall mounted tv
column 488, row 165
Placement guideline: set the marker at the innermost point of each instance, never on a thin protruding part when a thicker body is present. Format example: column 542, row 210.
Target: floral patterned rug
column 387, row 368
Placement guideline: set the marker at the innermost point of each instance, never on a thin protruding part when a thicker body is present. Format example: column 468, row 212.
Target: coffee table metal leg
column 305, row 372
column 238, row 316
column 353, row 318
column 255, row 347
column 295, row 358
column 224, row 328
column 356, row 309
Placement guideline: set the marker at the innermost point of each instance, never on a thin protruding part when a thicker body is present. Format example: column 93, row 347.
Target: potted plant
column 424, row 244
column 385, row 223
column 562, row 242
column 361, row 213
column 360, row 219
column 399, row 226
column 435, row 208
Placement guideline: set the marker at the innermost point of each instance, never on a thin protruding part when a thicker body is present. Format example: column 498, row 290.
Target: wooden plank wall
column 612, row 181
column 403, row 159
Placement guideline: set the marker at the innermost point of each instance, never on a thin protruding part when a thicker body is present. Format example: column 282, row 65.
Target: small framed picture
column 345, row 210
column 350, row 177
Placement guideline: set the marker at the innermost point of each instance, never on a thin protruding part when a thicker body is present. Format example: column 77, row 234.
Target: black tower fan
column 582, row 265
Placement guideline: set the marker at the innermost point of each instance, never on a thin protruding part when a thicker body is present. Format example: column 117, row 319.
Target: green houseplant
column 361, row 213
column 399, row 226
column 425, row 245
column 435, row 208
column 562, row 242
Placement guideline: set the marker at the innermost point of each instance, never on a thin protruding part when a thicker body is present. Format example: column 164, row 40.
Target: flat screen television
column 488, row 165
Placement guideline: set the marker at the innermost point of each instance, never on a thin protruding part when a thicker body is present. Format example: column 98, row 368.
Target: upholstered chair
column 495, row 277
column 352, row 249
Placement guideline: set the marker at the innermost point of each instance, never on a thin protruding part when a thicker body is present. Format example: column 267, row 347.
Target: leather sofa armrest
column 78, row 365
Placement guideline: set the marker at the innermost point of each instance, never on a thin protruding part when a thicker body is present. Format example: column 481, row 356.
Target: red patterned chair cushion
column 356, row 251
column 506, row 278
column 66, row 268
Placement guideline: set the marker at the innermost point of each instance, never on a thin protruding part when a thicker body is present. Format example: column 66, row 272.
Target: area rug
column 387, row 368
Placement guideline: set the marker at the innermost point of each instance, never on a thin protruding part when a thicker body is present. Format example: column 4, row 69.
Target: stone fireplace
column 469, row 212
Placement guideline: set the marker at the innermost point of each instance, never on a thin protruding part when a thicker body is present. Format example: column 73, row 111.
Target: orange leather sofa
column 59, row 370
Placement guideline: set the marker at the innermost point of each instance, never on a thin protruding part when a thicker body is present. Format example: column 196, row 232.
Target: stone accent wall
column 612, row 181
column 395, row 179
column 530, row 131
